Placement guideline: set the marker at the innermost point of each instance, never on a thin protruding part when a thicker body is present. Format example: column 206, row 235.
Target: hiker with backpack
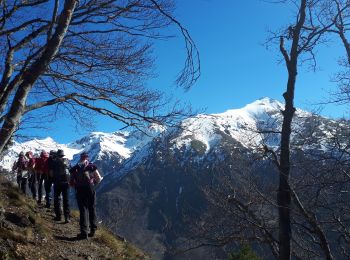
column 48, row 181
column 60, row 174
column 20, row 166
column 42, row 171
column 84, row 176
column 32, row 181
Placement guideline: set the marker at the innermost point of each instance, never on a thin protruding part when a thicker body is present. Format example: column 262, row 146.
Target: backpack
column 61, row 170
column 21, row 166
column 82, row 175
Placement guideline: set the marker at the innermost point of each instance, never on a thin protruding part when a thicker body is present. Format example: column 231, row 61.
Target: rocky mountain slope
column 154, row 190
column 27, row 231
column 158, row 197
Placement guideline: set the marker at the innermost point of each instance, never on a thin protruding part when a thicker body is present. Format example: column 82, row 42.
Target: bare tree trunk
column 339, row 23
column 284, row 192
column 31, row 75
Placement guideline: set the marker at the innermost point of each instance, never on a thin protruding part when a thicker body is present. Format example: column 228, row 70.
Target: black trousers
column 33, row 184
column 48, row 185
column 24, row 181
column 19, row 181
column 86, row 199
column 61, row 188
column 41, row 178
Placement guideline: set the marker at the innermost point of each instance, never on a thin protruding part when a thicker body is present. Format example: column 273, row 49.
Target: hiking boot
column 92, row 233
column 39, row 202
column 66, row 220
column 57, row 218
column 47, row 206
column 82, row 236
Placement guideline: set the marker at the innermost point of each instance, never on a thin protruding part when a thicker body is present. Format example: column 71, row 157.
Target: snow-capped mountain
column 251, row 126
column 107, row 150
column 153, row 179
column 159, row 188
column 204, row 132
column 36, row 146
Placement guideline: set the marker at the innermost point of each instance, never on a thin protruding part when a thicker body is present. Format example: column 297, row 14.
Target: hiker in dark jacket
column 60, row 175
column 20, row 166
column 48, row 180
column 84, row 176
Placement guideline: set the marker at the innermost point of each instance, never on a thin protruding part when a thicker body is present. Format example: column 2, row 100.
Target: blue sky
column 236, row 68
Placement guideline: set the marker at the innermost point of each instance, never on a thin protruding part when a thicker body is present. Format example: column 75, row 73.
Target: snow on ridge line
column 235, row 122
column 96, row 143
column 241, row 124
column 203, row 128
column 36, row 146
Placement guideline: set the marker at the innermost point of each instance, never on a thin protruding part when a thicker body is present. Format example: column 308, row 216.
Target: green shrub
column 245, row 253
column 4, row 255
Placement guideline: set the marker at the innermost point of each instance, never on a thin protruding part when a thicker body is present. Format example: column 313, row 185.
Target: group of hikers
column 53, row 169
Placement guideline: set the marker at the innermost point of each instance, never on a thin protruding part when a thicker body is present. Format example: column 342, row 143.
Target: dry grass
column 122, row 248
column 107, row 238
column 29, row 234
column 13, row 235
column 40, row 226
column 43, row 230
column 15, row 198
column 74, row 213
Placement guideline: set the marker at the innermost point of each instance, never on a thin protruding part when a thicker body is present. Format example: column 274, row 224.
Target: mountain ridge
column 150, row 196
column 123, row 144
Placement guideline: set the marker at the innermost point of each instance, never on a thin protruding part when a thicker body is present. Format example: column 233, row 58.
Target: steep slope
column 251, row 126
column 28, row 232
column 159, row 192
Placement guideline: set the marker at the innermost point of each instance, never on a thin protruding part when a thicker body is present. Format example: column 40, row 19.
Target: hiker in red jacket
column 20, row 166
column 31, row 173
column 42, row 170
column 84, row 176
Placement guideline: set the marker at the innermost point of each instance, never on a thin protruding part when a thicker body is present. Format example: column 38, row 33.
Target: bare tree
column 308, row 200
column 241, row 192
column 339, row 14
column 302, row 36
column 85, row 55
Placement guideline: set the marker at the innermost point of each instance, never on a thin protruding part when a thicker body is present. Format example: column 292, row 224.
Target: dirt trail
column 28, row 231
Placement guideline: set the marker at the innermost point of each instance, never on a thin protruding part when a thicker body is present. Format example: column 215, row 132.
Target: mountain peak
column 267, row 101
column 260, row 108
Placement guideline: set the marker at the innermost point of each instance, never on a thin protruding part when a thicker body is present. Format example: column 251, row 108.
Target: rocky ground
column 27, row 231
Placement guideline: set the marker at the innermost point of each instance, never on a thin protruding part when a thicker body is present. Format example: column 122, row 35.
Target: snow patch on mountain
column 256, row 123
column 244, row 125
column 36, row 146
column 98, row 145
column 204, row 131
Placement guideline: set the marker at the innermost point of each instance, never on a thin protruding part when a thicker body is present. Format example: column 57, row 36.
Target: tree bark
column 284, row 192
column 32, row 74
